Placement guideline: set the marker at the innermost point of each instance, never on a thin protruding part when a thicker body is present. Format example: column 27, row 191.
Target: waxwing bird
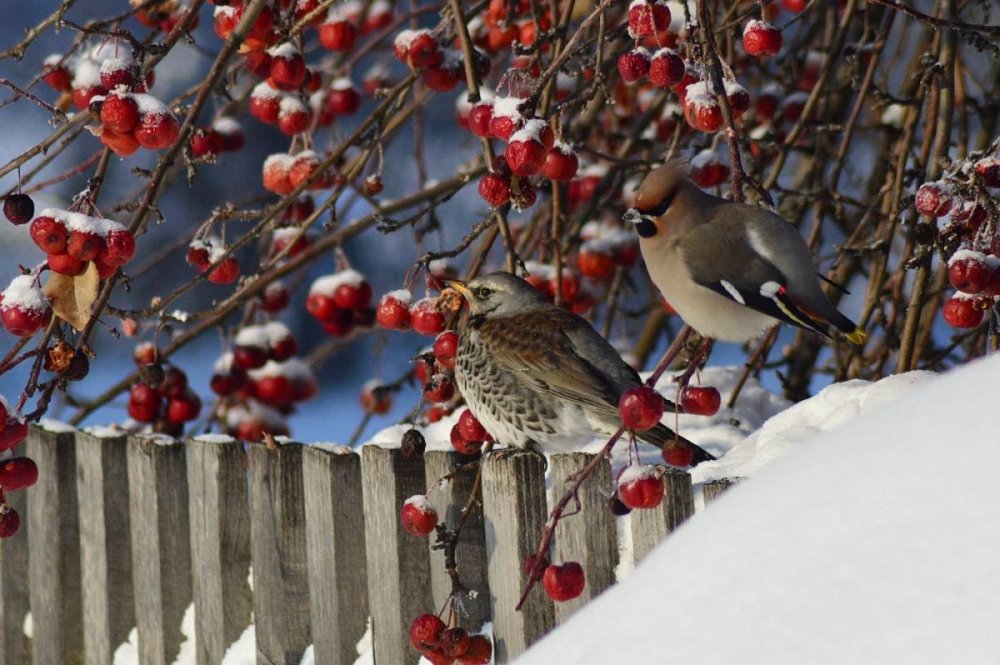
column 537, row 376
column 730, row 270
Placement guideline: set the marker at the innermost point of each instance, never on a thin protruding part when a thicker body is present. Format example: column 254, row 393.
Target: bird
column 730, row 270
column 539, row 377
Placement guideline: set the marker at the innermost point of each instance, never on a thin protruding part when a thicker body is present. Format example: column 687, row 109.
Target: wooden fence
column 122, row 532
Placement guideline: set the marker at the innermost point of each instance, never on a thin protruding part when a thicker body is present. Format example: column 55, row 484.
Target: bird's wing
column 723, row 261
column 536, row 348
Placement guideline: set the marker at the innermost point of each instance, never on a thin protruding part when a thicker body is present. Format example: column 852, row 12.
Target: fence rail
column 126, row 532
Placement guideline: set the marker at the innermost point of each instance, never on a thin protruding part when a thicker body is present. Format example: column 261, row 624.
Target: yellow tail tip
column 857, row 337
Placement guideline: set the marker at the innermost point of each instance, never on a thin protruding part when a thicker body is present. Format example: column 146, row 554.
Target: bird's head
column 498, row 294
column 654, row 198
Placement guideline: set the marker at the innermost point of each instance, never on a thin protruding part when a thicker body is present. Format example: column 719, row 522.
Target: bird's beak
column 632, row 216
column 460, row 287
column 645, row 224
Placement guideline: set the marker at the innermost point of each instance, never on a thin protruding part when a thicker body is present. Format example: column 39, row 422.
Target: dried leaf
column 59, row 358
column 72, row 297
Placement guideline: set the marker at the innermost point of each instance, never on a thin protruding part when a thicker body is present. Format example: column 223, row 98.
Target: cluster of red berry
column 162, row 397
column 72, row 240
column 16, row 473
column 204, row 253
column 442, row 645
column 967, row 220
column 342, row 302
column 641, row 408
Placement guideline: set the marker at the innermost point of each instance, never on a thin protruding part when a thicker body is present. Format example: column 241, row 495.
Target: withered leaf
column 72, row 297
column 59, row 358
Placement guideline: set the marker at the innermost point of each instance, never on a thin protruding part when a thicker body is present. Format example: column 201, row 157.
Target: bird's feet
column 509, row 451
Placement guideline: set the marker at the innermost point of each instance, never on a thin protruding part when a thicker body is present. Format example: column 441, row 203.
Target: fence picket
column 335, row 542
column 398, row 563
column 651, row 525
column 15, row 647
column 450, row 498
column 161, row 550
column 54, row 548
column 278, row 550
column 589, row 536
column 105, row 536
column 220, row 544
column 515, row 509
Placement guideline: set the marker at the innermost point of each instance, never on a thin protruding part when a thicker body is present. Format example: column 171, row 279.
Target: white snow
column 55, row 426
column 214, row 438
column 872, row 543
column 327, row 284
column 24, row 293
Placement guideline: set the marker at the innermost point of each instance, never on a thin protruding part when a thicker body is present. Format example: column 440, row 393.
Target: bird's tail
column 662, row 436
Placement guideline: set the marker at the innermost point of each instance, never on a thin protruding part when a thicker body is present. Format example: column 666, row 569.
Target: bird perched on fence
column 537, row 376
column 730, row 270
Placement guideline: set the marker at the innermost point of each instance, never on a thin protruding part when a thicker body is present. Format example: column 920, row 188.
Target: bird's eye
column 661, row 207
column 483, row 292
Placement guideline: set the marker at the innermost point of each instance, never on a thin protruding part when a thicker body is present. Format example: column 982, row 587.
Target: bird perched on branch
column 537, row 376
column 730, row 270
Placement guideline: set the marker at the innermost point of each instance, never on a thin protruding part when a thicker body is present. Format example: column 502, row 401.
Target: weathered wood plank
column 54, row 543
column 711, row 490
column 470, row 553
column 278, row 552
column 106, row 558
column 220, row 544
column 587, row 537
column 161, row 548
column 335, row 542
column 515, row 510
column 398, row 563
column 15, row 646
column 651, row 525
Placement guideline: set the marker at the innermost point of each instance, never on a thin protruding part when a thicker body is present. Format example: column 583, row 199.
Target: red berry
column 701, row 400
column 470, row 428
column 761, row 39
column 265, row 103
column 18, row 208
column 640, row 486
column 418, row 517
column 424, row 51
column 338, row 35
column 961, row 312
column 23, row 308
column 701, row 109
column 288, row 67
column 322, row 306
column 275, row 298
column 293, row 116
column 144, row 403
column 524, row 155
column 564, row 582
column 393, row 312
column 343, row 98
column 708, row 169
column 49, row 234
column 341, row 322
column 441, row 79
column 479, row 651
column 439, row 388
column 83, row 245
column 678, row 455
column 561, row 163
column 284, row 348
column 426, row 630
column 989, row 170
column 275, row 390
column 445, row 348
column 206, row 141
column 969, row 271
column 353, row 295
column 117, row 248
column 56, row 75
column 9, row 521
column 64, row 264
column 640, row 408
column 120, row 112
column 479, row 119
column 462, row 445
column 738, row 98
column 592, row 261
column 184, row 408
column 250, row 357
column 666, row 68
column 425, row 317
column 375, row 399
column 633, row 65
column 157, row 130
column 226, row 272
column 645, row 19
column 454, row 642
column 13, row 433
column 933, row 199
column 495, row 189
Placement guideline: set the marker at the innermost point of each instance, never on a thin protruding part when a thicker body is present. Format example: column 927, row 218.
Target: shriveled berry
column 18, row 208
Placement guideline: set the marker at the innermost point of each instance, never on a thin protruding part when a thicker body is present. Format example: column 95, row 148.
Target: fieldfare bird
column 730, row 270
column 540, row 377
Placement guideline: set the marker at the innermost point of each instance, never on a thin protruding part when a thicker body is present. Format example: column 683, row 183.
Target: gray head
column 498, row 294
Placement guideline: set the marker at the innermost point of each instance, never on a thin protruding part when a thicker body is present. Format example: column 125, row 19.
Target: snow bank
column 874, row 543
